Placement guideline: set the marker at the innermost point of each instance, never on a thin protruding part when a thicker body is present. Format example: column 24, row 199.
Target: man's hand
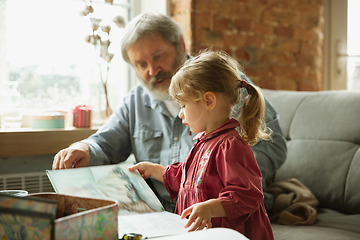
column 77, row 155
column 148, row 169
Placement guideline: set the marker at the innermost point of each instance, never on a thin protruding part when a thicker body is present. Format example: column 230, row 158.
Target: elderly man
column 147, row 124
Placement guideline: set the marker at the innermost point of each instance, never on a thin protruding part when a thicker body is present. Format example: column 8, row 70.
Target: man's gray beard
column 160, row 93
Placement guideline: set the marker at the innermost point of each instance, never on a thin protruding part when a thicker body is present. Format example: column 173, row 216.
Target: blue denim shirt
column 143, row 126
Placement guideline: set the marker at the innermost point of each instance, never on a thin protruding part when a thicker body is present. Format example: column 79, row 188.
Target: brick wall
column 279, row 42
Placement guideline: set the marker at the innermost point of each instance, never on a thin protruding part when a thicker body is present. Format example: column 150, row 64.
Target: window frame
column 336, row 56
column 335, row 45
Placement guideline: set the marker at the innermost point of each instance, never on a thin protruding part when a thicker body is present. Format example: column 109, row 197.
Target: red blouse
column 222, row 165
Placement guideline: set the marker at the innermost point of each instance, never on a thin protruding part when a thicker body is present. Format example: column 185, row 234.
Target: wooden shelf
column 25, row 142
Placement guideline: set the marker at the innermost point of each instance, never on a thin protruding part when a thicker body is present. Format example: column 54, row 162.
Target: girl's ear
column 210, row 100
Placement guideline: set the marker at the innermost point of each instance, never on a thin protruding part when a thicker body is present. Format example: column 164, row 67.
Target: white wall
column 142, row 6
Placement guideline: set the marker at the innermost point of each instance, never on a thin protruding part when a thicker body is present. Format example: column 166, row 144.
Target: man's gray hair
column 151, row 23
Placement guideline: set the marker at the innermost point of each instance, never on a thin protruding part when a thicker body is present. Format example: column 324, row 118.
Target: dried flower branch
column 101, row 46
column 119, row 21
column 88, row 9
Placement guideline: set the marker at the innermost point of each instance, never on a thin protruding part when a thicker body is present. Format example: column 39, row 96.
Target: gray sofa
column 323, row 133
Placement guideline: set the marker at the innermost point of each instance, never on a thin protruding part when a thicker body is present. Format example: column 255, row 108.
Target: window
column 342, row 51
column 353, row 40
column 42, row 47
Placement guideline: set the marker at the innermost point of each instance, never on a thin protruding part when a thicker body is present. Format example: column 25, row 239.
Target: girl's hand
column 144, row 169
column 200, row 216
column 148, row 169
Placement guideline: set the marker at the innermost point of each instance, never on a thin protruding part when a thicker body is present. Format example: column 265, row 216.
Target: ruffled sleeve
column 240, row 174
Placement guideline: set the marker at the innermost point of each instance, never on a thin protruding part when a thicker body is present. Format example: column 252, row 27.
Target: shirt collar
column 156, row 104
column 229, row 124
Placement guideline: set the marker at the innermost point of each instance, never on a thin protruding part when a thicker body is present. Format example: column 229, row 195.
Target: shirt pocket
column 147, row 144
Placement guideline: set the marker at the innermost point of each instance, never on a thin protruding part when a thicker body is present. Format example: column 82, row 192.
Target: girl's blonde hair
column 216, row 71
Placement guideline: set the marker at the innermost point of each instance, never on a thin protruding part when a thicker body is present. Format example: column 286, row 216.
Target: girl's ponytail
column 252, row 127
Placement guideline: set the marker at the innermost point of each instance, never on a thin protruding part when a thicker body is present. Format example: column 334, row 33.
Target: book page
column 151, row 225
column 209, row 234
column 114, row 182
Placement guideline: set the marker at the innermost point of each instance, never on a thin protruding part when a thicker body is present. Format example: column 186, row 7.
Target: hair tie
column 243, row 83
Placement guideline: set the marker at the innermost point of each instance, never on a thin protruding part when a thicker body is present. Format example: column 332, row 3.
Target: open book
column 140, row 211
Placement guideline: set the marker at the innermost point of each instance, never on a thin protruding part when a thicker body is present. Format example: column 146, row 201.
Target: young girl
column 219, row 184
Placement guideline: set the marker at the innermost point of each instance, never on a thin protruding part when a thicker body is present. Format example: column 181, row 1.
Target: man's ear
column 183, row 45
column 210, row 100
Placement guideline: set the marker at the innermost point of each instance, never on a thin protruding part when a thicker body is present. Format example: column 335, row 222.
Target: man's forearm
column 81, row 146
column 271, row 154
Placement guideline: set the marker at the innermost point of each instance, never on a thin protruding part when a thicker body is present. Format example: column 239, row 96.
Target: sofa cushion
column 283, row 232
column 329, row 225
column 323, row 133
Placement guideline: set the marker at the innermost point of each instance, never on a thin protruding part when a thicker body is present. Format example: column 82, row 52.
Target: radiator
column 34, row 182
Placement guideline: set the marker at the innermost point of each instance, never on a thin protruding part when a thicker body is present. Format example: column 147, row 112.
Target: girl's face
column 194, row 115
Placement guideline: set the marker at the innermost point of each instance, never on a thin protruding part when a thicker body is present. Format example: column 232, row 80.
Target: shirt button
column 174, row 160
column 176, row 138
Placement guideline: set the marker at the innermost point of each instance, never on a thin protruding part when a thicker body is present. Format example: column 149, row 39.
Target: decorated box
column 48, row 121
column 72, row 217
column 26, row 218
column 82, row 116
